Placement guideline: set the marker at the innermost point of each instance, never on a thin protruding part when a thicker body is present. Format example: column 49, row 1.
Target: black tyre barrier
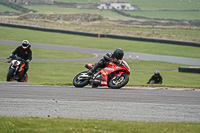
column 189, row 69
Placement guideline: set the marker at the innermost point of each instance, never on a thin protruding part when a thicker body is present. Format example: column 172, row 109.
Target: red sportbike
column 113, row 75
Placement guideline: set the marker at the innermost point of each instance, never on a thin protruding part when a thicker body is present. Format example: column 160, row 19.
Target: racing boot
column 94, row 86
column 24, row 73
column 92, row 70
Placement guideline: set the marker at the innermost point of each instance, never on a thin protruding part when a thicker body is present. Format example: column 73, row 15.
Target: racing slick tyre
column 10, row 77
column 115, row 83
column 80, row 82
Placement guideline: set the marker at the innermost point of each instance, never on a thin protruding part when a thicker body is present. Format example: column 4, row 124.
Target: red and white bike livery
column 113, row 75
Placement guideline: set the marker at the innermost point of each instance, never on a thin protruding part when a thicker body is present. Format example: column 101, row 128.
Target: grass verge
column 62, row 73
column 44, row 125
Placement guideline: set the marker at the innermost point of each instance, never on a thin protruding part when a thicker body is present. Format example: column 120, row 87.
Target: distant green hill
column 143, row 4
column 79, row 1
column 158, row 9
column 167, row 4
column 180, row 12
column 6, row 6
column 154, row 4
column 8, row 9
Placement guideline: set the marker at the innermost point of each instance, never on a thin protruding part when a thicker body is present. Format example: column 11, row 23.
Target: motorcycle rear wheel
column 80, row 83
column 10, row 77
column 121, row 82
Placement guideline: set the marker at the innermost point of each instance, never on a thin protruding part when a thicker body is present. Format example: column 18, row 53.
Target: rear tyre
column 119, row 83
column 80, row 82
column 10, row 77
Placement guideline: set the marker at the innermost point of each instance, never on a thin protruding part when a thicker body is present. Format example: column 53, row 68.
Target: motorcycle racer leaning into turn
column 109, row 57
column 24, row 52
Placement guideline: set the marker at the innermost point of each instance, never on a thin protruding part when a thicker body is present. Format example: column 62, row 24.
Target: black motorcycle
column 16, row 70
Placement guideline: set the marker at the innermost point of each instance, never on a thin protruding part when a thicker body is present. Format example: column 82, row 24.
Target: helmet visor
column 24, row 45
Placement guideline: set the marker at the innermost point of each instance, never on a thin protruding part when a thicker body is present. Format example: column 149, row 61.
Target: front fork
column 15, row 72
column 16, row 69
column 118, row 75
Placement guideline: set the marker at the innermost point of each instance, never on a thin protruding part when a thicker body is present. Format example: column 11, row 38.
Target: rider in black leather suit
column 109, row 57
column 24, row 52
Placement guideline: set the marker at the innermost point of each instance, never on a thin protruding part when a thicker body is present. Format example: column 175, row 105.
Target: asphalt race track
column 100, row 52
column 128, row 103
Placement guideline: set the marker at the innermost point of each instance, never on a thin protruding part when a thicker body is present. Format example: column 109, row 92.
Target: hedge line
column 14, row 6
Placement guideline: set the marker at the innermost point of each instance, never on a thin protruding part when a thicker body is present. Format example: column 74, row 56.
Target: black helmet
column 156, row 72
column 118, row 53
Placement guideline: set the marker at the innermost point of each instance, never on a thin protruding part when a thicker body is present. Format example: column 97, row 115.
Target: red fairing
column 126, row 67
column 112, row 67
column 114, row 76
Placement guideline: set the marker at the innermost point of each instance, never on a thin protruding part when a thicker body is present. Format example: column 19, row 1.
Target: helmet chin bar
column 24, row 47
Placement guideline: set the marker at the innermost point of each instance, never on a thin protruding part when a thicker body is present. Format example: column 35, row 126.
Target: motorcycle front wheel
column 10, row 77
column 115, row 83
column 80, row 82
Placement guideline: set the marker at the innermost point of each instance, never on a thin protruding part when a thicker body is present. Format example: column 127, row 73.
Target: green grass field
column 6, row 50
column 78, row 1
column 172, row 33
column 63, row 72
column 167, row 15
column 153, row 5
column 5, row 8
column 101, row 43
column 183, row 34
column 54, row 9
column 48, row 72
column 114, row 16
column 62, row 125
column 167, row 4
column 143, row 4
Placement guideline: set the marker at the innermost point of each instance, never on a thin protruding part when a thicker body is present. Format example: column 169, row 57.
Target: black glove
column 11, row 56
column 28, row 61
column 19, row 58
column 115, row 61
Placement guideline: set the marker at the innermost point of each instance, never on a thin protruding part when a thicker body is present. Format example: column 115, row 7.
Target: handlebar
column 9, row 60
column 17, row 58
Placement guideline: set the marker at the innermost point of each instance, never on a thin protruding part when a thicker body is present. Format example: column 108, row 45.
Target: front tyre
column 10, row 76
column 80, row 82
column 115, row 83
